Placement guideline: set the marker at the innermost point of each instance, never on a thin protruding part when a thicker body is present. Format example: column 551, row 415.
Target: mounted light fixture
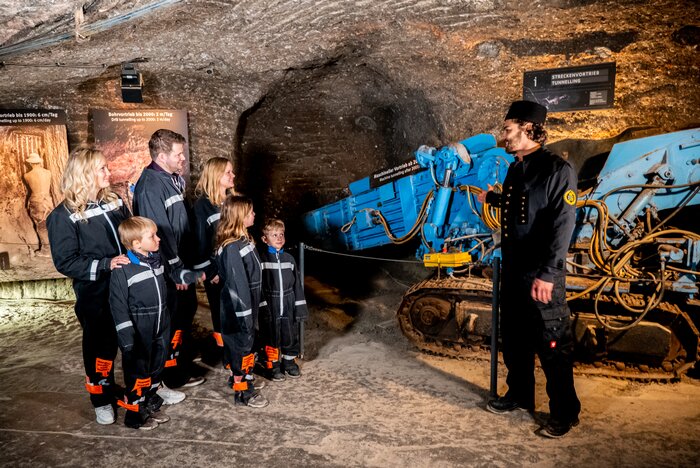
column 132, row 83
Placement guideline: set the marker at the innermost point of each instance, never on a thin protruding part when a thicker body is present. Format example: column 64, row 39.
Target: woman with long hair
column 85, row 247
column 214, row 184
column 240, row 274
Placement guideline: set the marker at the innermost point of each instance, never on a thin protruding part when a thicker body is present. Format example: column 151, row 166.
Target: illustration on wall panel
column 33, row 152
column 122, row 136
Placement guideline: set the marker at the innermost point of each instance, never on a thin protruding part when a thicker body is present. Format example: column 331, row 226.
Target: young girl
column 240, row 275
column 85, row 247
column 214, row 184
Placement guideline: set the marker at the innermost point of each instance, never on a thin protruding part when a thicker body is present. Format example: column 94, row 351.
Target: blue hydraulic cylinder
column 354, row 224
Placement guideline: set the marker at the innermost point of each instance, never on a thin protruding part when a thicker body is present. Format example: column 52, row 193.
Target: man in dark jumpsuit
column 160, row 196
column 538, row 206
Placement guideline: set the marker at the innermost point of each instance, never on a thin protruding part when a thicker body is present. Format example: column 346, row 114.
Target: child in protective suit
column 137, row 297
column 283, row 306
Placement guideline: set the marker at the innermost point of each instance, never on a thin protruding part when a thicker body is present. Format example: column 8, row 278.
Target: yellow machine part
column 446, row 259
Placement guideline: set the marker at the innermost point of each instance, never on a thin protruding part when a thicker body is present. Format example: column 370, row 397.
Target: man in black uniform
column 160, row 196
column 538, row 207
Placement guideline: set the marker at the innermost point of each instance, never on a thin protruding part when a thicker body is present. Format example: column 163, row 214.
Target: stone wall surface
column 307, row 96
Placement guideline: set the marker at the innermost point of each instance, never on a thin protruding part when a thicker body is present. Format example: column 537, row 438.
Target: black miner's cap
column 528, row 111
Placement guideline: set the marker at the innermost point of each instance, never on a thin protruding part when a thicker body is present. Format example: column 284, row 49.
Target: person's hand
column 215, row 280
column 118, row 261
column 541, row 290
column 482, row 196
column 181, row 287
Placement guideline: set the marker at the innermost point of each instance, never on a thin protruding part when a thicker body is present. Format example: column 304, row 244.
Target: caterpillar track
column 451, row 316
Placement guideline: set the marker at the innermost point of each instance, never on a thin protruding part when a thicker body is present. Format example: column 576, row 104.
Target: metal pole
column 301, row 322
column 494, row 327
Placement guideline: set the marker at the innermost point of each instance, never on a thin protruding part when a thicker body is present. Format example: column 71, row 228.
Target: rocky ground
column 366, row 398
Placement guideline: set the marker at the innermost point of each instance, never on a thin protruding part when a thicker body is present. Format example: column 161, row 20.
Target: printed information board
column 587, row 87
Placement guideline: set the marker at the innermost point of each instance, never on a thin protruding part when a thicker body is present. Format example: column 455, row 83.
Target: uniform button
column 507, row 202
column 507, row 194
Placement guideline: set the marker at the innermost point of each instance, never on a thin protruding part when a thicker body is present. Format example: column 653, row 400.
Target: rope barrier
column 330, row 252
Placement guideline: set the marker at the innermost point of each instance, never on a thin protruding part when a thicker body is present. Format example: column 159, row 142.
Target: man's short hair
column 273, row 224
column 162, row 142
column 133, row 229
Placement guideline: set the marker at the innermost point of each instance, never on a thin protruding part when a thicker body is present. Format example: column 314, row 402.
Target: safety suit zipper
column 279, row 274
column 160, row 302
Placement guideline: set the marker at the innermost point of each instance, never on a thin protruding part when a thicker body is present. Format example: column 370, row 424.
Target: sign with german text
column 588, row 87
column 123, row 134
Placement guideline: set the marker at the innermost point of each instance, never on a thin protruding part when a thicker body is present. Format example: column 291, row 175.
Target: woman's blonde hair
column 79, row 181
column 231, row 224
column 208, row 184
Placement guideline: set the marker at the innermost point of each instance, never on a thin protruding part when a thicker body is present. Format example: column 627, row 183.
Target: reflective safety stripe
column 138, row 277
column 172, row 200
column 263, row 304
column 218, row 338
column 173, row 261
column 93, row 270
column 278, row 266
column 199, row 266
column 219, row 250
column 128, row 407
column 245, row 313
column 298, row 303
column 212, row 218
column 171, row 363
column 97, row 211
column 92, row 389
column 240, row 386
column 144, row 275
column 246, row 250
column 124, row 325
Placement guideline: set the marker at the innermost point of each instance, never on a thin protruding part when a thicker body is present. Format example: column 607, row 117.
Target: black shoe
column 275, row 374
column 291, row 368
column 504, row 405
column 556, row 429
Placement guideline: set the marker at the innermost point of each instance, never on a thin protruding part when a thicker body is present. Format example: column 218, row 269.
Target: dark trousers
column 528, row 328
column 142, row 369
column 181, row 349
column 278, row 333
column 214, row 297
column 99, row 339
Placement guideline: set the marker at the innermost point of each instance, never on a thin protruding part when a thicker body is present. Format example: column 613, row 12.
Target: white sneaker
column 105, row 414
column 170, row 396
column 194, row 381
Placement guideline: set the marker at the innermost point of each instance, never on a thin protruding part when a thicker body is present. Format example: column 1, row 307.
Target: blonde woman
column 240, row 275
column 214, row 185
column 85, row 247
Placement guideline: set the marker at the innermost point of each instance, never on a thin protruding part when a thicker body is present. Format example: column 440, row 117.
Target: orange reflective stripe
column 240, row 386
column 273, row 354
column 92, row 389
column 177, row 339
column 103, row 366
column 248, row 362
column 123, row 404
column 171, row 363
column 219, row 339
column 141, row 384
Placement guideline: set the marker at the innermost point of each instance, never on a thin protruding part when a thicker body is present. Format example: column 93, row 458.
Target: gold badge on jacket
column 570, row 197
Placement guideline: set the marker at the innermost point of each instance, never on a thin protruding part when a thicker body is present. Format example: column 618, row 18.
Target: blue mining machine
column 632, row 279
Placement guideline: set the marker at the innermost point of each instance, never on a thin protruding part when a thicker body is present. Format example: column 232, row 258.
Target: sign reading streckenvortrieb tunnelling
column 588, row 87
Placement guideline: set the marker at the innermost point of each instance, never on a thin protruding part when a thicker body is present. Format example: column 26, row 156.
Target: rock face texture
column 307, row 96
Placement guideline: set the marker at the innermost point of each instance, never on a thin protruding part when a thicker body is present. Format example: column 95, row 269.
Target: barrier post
column 301, row 322
column 494, row 327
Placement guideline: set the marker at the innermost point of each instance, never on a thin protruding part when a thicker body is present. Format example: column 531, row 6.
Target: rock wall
column 306, row 96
